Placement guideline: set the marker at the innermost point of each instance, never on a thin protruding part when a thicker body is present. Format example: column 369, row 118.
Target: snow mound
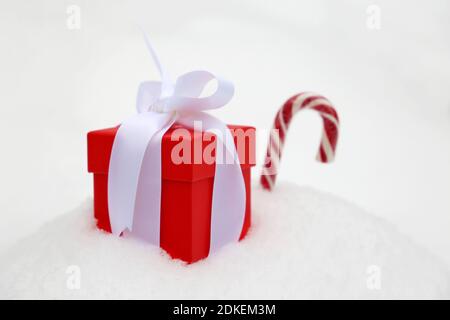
column 303, row 244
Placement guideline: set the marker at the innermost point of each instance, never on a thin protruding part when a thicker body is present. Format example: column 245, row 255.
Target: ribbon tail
column 167, row 86
column 127, row 156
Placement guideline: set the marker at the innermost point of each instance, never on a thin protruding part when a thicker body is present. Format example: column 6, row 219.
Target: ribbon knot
column 134, row 177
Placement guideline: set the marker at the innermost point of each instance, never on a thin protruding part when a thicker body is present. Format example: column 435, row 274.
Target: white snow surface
column 303, row 244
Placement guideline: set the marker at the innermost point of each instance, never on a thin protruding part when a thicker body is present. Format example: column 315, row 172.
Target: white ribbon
column 134, row 181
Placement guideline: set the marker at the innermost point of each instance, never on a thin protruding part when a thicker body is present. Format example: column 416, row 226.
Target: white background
column 390, row 86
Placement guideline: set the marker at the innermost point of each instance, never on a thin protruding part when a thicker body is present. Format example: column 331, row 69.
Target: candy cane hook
column 305, row 100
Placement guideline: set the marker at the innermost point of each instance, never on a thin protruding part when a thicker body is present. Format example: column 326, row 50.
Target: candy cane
column 305, row 100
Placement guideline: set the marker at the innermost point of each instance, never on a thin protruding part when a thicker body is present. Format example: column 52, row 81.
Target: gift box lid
column 197, row 167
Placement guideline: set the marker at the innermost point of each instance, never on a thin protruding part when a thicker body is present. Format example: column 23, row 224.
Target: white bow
column 134, row 181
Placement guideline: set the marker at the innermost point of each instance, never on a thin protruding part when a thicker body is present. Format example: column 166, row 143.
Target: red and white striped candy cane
column 305, row 100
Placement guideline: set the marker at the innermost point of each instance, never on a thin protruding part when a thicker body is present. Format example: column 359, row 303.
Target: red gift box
column 185, row 223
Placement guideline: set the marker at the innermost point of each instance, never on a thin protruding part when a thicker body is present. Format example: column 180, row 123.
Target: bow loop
column 192, row 84
column 186, row 94
column 189, row 87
